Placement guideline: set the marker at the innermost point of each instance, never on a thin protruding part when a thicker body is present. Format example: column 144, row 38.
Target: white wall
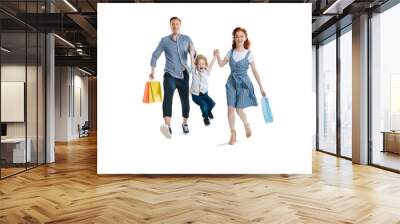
column 278, row 58
column 62, row 81
column 70, row 83
column 12, row 73
column 80, row 84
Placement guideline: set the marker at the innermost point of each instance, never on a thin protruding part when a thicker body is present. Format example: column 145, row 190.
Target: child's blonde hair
column 200, row 57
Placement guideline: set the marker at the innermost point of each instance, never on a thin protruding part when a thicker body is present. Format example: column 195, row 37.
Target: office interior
column 49, row 97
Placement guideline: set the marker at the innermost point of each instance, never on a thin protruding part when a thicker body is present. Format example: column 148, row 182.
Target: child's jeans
column 205, row 102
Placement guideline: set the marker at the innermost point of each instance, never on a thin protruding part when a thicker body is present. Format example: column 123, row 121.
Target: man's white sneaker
column 166, row 130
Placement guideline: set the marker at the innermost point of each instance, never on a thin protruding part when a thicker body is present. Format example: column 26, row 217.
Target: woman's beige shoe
column 232, row 140
column 248, row 130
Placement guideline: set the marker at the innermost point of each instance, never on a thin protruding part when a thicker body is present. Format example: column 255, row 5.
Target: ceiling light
column 84, row 71
column 64, row 40
column 70, row 5
column 338, row 6
column 5, row 49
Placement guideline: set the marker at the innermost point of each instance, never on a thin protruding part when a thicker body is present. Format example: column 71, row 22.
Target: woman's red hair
column 246, row 43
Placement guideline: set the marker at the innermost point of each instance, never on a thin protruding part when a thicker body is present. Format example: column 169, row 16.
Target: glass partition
column 346, row 93
column 327, row 96
column 14, row 153
column 385, row 89
column 22, row 77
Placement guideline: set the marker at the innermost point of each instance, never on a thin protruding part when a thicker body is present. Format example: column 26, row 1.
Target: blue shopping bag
column 266, row 110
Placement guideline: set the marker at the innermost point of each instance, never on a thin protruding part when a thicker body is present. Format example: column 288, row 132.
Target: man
column 176, row 76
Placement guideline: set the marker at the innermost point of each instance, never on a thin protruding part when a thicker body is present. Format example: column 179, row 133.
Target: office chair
column 84, row 130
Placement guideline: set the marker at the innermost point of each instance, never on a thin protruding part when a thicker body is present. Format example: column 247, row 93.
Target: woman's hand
column 221, row 62
column 216, row 53
column 263, row 92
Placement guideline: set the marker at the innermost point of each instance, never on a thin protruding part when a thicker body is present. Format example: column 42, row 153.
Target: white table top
column 391, row 132
column 13, row 140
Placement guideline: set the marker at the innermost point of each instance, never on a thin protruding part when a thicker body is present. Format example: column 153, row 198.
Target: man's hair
column 175, row 17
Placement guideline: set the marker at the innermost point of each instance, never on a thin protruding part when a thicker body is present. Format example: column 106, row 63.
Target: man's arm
column 154, row 57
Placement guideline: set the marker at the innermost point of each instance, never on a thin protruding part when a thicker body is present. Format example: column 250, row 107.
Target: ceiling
column 76, row 22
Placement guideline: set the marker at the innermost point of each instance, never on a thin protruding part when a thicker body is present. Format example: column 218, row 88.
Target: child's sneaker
column 185, row 128
column 166, row 130
column 210, row 115
column 206, row 121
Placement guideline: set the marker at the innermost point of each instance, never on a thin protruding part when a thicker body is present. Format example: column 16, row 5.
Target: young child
column 199, row 89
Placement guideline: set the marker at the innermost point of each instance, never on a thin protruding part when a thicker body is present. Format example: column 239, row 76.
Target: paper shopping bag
column 156, row 94
column 268, row 118
column 146, row 93
column 152, row 92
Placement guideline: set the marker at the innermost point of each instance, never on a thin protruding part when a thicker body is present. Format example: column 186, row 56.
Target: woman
column 239, row 88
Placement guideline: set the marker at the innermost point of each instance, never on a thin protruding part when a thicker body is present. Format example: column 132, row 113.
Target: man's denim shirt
column 176, row 53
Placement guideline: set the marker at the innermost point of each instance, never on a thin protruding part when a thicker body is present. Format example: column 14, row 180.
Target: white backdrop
column 129, row 140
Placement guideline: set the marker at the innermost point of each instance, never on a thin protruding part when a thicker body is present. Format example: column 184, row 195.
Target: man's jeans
column 170, row 84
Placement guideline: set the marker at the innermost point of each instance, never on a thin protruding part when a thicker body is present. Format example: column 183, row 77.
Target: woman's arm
column 221, row 62
column 257, row 77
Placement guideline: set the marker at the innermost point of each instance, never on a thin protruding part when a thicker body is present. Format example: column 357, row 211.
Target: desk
column 391, row 141
column 13, row 150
